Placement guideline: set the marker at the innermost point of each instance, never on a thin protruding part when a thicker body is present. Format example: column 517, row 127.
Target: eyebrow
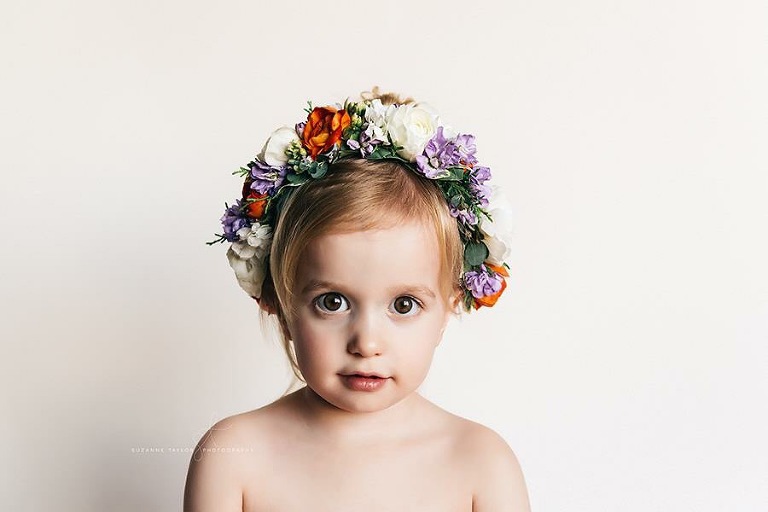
column 315, row 284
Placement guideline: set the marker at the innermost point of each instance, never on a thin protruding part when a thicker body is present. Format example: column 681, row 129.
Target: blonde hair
column 355, row 195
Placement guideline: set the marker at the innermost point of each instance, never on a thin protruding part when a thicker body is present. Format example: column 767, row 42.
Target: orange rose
column 490, row 300
column 257, row 206
column 323, row 129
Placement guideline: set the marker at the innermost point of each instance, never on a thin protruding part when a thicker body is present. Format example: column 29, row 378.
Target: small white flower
column 250, row 273
column 448, row 131
column 273, row 152
column 374, row 132
column 248, row 256
column 411, row 127
column 254, row 242
column 260, row 239
column 498, row 233
column 376, row 114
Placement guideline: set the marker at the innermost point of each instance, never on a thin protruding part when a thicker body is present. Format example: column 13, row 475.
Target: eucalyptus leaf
column 318, row 169
column 475, row 254
column 296, row 179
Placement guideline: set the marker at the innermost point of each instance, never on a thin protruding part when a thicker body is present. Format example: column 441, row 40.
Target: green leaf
column 469, row 300
column 296, row 179
column 381, row 152
column 344, row 153
column 453, row 174
column 318, row 169
column 475, row 254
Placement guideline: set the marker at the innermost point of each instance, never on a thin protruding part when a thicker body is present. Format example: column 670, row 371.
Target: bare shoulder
column 223, row 461
column 498, row 480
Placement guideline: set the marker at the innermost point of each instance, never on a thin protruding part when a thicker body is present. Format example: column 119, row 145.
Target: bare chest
column 419, row 477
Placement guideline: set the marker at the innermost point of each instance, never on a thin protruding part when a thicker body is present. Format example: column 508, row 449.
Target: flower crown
column 409, row 133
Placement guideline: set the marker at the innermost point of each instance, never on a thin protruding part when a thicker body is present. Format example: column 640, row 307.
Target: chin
column 360, row 402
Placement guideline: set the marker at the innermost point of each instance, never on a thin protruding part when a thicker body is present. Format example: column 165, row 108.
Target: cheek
column 418, row 345
column 314, row 346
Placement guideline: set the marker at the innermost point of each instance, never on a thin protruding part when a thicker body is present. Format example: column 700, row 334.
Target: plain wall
column 626, row 363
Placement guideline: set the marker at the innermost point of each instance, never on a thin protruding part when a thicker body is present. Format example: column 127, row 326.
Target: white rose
column 498, row 233
column 273, row 152
column 250, row 273
column 411, row 126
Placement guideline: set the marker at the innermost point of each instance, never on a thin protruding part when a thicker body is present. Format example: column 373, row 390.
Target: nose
column 365, row 336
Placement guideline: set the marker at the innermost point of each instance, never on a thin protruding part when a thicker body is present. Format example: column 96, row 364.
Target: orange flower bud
column 257, row 206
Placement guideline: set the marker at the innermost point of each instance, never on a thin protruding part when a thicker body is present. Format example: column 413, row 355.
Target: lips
column 366, row 374
column 364, row 381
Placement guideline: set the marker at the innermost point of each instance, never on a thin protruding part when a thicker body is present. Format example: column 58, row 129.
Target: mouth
column 364, row 381
column 365, row 375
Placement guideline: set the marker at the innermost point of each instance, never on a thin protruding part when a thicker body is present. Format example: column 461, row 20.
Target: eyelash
column 318, row 301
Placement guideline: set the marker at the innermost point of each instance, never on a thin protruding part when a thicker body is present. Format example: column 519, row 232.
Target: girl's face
column 369, row 315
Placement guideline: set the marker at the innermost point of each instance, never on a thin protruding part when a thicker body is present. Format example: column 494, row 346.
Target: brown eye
column 331, row 302
column 405, row 305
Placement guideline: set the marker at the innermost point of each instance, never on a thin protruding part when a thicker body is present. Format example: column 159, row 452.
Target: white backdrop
column 625, row 365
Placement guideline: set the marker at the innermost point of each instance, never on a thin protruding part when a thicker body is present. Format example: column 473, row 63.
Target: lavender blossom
column 436, row 157
column 441, row 153
column 266, row 178
column 233, row 220
column 369, row 138
column 482, row 283
column 477, row 178
column 465, row 146
column 466, row 216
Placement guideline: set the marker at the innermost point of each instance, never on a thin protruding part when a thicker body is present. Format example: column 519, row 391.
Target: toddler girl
column 361, row 231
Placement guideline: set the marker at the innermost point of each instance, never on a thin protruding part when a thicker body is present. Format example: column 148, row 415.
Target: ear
column 265, row 306
column 448, row 314
column 455, row 301
column 270, row 309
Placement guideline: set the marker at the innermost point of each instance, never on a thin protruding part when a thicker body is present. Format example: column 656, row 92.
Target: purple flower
column 482, row 283
column 266, row 178
column 441, row 153
column 465, row 216
column 233, row 220
column 465, row 147
column 300, row 128
column 480, row 174
column 436, row 157
column 369, row 138
column 477, row 178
